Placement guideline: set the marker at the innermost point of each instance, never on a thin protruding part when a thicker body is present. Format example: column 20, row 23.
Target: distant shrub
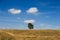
column 30, row 26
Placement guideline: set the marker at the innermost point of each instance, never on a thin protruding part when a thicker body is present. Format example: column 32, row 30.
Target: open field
column 29, row 34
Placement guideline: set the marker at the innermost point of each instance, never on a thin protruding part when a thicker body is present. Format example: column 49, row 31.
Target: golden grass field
column 29, row 34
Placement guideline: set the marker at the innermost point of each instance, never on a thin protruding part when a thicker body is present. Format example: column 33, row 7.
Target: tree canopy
column 30, row 26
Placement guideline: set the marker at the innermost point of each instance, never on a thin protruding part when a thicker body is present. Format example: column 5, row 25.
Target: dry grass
column 29, row 34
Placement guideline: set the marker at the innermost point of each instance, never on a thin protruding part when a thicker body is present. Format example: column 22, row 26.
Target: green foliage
column 30, row 25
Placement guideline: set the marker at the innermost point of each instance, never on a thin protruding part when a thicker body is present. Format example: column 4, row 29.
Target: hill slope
column 29, row 34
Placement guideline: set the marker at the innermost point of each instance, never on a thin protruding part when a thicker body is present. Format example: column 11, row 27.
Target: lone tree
column 30, row 25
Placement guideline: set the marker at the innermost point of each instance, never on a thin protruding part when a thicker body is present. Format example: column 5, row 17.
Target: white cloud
column 32, row 10
column 29, row 21
column 14, row 11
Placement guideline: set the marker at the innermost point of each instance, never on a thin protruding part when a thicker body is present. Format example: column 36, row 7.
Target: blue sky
column 16, row 14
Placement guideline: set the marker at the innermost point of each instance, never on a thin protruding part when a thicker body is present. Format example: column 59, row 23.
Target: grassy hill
column 29, row 34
